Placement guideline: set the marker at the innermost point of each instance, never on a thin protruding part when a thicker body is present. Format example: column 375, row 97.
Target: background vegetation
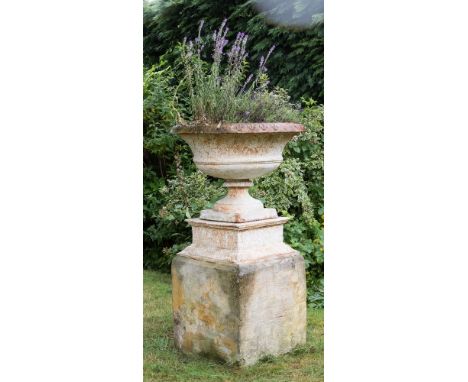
column 173, row 189
column 297, row 64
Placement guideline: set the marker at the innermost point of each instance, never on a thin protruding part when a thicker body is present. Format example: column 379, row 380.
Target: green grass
column 163, row 362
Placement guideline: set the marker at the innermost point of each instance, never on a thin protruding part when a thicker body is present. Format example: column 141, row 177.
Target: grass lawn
column 163, row 362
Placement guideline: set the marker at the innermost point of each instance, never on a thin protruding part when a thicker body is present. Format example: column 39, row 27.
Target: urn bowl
column 235, row 151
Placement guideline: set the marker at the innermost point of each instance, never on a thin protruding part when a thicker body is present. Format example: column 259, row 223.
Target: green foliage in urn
column 220, row 88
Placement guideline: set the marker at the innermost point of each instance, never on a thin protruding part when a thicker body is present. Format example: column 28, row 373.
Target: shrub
column 295, row 189
column 159, row 114
column 181, row 197
column 316, row 295
column 160, row 147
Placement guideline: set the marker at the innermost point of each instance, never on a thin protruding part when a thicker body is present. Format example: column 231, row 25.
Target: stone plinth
column 237, row 241
column 239, row 292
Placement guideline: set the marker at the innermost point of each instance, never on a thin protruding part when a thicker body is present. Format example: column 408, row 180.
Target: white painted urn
column 238, row 153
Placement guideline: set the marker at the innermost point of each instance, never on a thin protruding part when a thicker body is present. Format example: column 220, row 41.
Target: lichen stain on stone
column 230, row 345
column 188, row 340
column 202, row 344
column 247, row 284
column 212, row 303
column 177, row 292
column 208, row 312
column 203, row 312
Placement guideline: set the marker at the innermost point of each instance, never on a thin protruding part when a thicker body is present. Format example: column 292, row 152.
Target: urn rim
column 240, row 128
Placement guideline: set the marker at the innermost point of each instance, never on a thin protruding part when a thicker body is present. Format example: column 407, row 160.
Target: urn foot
column 238, row 206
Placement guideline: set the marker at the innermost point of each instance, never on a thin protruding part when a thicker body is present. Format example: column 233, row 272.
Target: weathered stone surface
column 238, row 291
column 238, row 153
column 237, row 241
column 239, row 150
column 238, row 206
column 239, row 312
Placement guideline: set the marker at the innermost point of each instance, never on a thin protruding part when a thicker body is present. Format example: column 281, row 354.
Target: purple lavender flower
column 244, row 40
column 200, row 48
column 190, row 49
column 223, row 24
column 236, row 54
column 270, row 51
column 249, row 78
column 199, row 45
column 202, row 22
column 218, row 33
column 243, row 54
column 263, row 60
column 220, row 41
column 225, row 32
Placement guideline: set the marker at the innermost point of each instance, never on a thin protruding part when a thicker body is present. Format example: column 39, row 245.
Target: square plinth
column 237, row 242
column 239, row 217
column 239, row 312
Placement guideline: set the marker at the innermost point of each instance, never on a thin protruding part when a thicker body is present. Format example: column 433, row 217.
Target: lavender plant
column 221, row 91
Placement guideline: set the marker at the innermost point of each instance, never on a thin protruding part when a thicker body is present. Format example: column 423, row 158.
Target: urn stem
column 238, row 206
column 238, row 197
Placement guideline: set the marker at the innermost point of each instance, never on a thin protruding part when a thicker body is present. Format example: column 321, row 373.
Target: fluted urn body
column 238, row 150
column 238, row 153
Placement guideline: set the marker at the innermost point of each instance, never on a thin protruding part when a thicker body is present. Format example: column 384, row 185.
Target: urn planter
column 238, row 153
column 239, row 291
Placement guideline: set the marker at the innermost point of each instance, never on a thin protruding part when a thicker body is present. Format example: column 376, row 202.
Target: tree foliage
column 296, row 66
